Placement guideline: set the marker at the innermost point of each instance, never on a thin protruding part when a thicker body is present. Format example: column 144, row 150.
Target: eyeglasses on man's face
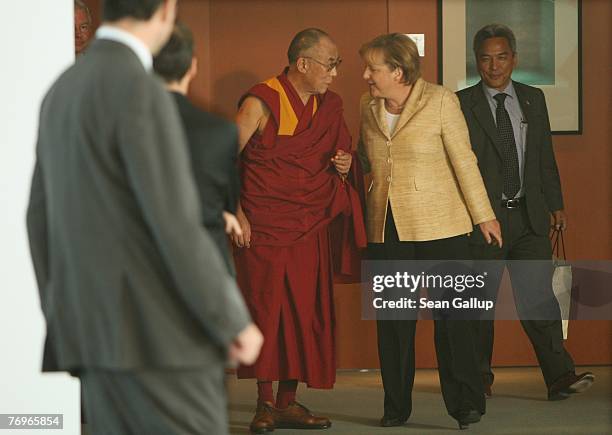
column 329, row 67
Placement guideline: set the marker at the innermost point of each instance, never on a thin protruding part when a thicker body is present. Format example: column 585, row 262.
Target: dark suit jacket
column 541, row 182
column 128, row 277
column 213, row 145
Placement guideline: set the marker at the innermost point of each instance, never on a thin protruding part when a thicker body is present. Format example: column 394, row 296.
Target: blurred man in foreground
column 137, row 300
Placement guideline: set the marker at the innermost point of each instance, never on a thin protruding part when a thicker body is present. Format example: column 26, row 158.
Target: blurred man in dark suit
column 510, row 135
column 213, row 142
column 137, row 300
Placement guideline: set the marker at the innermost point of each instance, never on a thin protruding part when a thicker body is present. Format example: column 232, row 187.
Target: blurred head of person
column 175, row 63
column 151, row 21
column 82, row 27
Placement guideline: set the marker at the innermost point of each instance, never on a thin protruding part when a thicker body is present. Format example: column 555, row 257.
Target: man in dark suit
column 137, row 300
column 510, row 135
column 213, row 142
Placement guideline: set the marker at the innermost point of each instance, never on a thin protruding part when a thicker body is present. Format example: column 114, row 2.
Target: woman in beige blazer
column 425, row 193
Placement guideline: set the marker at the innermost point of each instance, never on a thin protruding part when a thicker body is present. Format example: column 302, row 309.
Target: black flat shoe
column 467, row 417
column 569, row 384
column 392, row 421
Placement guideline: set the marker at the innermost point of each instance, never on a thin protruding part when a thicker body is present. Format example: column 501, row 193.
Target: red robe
column 290, row 194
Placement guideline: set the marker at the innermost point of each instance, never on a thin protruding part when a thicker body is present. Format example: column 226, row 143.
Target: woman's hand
column 491, row 232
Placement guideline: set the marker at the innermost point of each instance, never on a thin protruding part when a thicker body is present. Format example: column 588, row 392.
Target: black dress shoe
column 570, row 383
column 392, row 421
column 465, row 418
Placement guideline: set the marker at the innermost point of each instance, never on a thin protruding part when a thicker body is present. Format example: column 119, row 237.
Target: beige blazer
column 425, row 169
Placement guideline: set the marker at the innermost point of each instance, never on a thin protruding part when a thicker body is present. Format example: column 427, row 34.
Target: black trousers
column 530, row 287
column 155, row 402
column 460, row 380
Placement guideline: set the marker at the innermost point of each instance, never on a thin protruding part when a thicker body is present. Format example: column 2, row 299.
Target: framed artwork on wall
column 548, row 39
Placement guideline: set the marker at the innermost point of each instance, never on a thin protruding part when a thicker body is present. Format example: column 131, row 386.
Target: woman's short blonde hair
column 398, row 51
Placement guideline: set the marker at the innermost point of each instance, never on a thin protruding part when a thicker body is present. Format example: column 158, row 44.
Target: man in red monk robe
column 295, row 158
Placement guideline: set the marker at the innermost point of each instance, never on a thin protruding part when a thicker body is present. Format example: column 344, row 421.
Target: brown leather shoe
column 570, row 383
column 297, row 416
column 264, row 418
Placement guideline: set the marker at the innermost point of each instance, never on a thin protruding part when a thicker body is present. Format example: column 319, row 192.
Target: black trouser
column 217, row 232
column 460, row 380
column 521, row 243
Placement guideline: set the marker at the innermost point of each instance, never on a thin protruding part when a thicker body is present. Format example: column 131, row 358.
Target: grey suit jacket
column 128, row 277
column 541, row 181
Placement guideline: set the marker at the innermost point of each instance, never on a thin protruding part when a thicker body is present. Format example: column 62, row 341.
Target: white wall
column 37, row 44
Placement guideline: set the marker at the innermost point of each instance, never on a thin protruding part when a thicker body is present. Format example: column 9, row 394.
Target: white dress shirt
column 136, row 45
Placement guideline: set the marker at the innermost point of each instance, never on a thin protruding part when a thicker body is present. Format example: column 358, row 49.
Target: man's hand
column 491, row 232
column 560, row 220
column 232, row 226
column 342, row 161
column 246, row 346
column 244, row 238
